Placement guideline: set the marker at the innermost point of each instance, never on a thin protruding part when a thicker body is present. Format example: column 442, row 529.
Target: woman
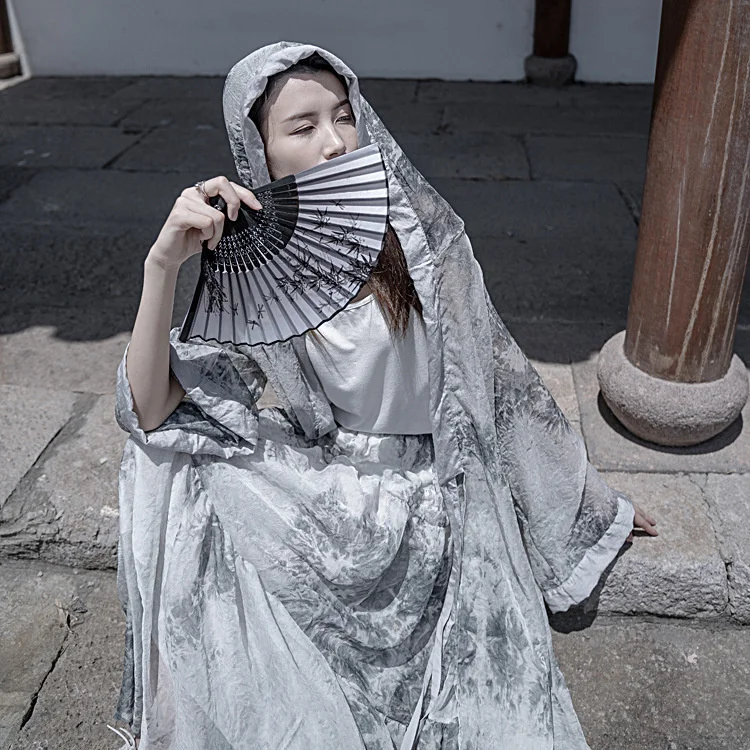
column 299, row 576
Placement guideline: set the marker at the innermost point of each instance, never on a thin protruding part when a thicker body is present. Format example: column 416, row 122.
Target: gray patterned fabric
column 292, row 584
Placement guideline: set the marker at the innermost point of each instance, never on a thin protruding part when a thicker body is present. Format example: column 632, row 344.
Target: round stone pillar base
column 550, row 71
column 664, row 411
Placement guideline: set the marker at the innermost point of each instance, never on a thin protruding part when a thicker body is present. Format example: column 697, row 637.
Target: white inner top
column 374, row 383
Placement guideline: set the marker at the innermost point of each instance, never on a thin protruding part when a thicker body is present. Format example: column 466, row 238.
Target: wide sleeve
column 219, row 414
column 573, row 524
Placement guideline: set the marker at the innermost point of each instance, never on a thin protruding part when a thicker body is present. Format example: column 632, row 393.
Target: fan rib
column 289, row 273
column 269, row 288
column 230, row 278
column 359, row 231
column 325, row 254
column 240, row 278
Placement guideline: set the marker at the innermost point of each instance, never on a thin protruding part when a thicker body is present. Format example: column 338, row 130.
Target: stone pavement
column 549, row 183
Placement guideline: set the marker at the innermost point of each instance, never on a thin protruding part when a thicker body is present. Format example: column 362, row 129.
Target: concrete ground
column 549, row 183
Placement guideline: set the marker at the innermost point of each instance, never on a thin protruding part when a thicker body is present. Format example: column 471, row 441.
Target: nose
column 334, row 145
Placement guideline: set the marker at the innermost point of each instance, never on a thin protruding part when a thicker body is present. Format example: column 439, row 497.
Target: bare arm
column 156, row 392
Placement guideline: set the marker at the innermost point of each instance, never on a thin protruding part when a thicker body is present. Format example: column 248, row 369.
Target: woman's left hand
column 643, row 521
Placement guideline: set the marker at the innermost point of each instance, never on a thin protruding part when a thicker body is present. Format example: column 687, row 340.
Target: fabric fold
column 218, row 415
column 400, row 580
column 572, row 523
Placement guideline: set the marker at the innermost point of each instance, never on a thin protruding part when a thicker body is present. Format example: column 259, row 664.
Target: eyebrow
column 305, row 115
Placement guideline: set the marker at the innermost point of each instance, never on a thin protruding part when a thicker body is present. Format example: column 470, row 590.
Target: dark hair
column 390, row 281
column 315, row 63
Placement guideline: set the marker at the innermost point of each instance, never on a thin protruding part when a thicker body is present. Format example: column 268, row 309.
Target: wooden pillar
column 551, row 63
column 9, row 62
column 694, row 234
column 551, row 28
column 693, row 239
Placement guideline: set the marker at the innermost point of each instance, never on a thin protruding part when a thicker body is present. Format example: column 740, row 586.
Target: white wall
column 391, row 38
column 615, row 40
column 468, row 39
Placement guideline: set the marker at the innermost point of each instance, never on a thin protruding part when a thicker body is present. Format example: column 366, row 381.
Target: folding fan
column 283, row 270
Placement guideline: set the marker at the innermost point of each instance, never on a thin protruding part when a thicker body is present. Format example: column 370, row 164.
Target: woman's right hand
column 192, row 220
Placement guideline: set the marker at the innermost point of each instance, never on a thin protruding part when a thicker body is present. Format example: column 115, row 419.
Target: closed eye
column 308, row 128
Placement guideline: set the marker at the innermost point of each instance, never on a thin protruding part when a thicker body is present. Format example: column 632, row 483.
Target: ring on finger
column 199, row 186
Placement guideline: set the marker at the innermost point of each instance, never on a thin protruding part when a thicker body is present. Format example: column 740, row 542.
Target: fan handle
column 218, row 202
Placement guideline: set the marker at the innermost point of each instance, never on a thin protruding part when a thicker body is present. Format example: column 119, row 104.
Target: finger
column 205, row 226
column 647, row 527
column 221, row 186
column 232, row 194
column 207, row 219
column 247, row 196
column 205, row 209
column 213, row 187
column 213, row 234
column 190, row 208
column 641, row 514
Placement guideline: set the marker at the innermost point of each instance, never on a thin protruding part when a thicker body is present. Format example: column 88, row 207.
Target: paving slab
column 79, row 649
column 658, row 686
column 66, row 509
column 90, row 261
column 632, row 193
column 728, row 500
column 62, row 112
column 560, row 276
column 168, row 111
column 384, row 91
column 61, row 145
column 555, row 340
column 552, row 211
column 197, row 149
column 80, row 197
column 528, row 119
column 634, row 685
column 613, row 95
column 508, row 93
column 742, row 335
column 65, row 88
column 470, row 156
column 65, row 348
column 31, row 419
column 557, row 257
column 598, row 158
column 404, row 117
column 38, row 356
column 61, row 100
column 75, row 344
column 33, row 636
column 159, row 88
column 513, row 94
column 612, row 448
column 11, row 178
column 680, row 572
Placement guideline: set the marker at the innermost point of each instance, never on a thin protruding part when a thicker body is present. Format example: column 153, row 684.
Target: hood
column 446, row 275
column 247, row 80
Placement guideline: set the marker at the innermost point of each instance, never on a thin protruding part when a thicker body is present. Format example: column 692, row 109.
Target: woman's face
column 309, row 120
